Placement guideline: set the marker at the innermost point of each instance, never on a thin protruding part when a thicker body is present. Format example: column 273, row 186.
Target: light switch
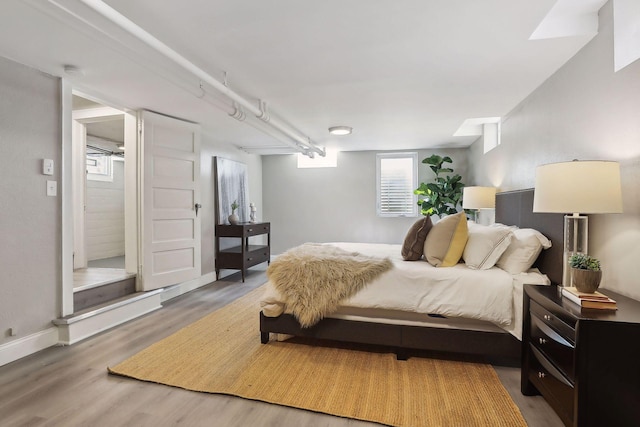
column 47, row 166
column 52, row 188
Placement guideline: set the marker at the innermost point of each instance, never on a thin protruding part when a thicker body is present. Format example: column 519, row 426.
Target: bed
column 474, row 332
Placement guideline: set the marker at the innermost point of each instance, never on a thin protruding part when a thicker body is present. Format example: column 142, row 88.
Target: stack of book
column 589, row 300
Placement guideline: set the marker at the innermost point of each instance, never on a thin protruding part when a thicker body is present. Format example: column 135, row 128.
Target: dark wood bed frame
column 512, row 208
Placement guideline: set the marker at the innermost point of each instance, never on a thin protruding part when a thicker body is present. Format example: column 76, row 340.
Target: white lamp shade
column 588, row 187
column 479, row 198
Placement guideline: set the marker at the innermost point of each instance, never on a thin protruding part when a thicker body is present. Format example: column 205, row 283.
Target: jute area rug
column 221, row 353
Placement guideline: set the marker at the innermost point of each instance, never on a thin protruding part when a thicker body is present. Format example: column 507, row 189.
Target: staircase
column 103, row 303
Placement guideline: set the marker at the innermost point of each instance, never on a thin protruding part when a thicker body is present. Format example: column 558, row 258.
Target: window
column 491, row 135
column 489, row 128
column 396, row 179
column 99, row 167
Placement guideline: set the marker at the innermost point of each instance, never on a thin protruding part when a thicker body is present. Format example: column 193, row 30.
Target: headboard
column 516, row 208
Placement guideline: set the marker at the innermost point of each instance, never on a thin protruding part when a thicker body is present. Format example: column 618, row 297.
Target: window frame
column 101, row 171
column 414, row 184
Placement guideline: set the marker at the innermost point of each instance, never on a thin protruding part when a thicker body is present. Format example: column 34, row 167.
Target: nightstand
column 584, row 362
column 244, row 255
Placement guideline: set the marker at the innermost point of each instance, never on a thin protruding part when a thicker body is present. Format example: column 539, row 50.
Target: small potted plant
column 233, row 218
column 586, row 272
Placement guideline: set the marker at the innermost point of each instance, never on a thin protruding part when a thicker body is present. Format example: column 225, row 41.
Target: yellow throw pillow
column 446, row 241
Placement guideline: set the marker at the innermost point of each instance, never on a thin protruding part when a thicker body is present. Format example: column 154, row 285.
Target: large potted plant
column 444, row 194
column 585, row 272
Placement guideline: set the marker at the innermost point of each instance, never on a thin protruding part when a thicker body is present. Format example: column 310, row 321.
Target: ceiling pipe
column 258, row 111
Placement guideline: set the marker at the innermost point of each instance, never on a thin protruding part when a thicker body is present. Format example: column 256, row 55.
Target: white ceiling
column 405, row 74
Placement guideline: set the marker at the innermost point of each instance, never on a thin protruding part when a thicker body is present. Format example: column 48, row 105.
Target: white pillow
column 523, row 251
column 485, row 246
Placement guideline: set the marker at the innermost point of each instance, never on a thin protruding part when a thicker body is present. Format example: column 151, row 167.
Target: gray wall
column 334, row 204
column 208, row 150
column 584, row 111
column 29, row 220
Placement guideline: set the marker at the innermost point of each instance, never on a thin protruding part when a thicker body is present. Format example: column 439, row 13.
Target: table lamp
column 574, row 188
column 475, row 198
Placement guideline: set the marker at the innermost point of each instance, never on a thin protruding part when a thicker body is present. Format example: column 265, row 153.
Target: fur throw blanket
column 313, row 278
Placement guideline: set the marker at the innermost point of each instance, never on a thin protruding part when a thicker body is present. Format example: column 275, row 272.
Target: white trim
column 131, row 193
column 77, row 329
column 66, row 291
column 98, row 114
column 413, row 156
column 30, row 344
column 188, row 286
column 71, row 331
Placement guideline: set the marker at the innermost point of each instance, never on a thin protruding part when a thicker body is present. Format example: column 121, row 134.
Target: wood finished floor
column 86, row 278
column 69, row 386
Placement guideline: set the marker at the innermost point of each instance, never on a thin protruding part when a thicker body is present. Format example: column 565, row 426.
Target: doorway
column 99, row 200
column 161, row 201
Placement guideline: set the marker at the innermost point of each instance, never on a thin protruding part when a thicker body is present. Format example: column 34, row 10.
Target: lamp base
column 576, row 230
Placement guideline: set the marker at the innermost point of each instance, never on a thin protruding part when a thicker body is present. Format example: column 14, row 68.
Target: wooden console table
column 245, row 255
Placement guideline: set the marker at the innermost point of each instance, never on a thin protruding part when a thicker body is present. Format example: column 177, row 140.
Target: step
column 87, row 278
column 92, row 320
column 99, row 293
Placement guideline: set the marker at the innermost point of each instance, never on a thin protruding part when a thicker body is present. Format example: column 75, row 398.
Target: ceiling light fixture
column 340, row 130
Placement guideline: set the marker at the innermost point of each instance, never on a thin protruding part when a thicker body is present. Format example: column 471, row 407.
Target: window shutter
column 396, row 182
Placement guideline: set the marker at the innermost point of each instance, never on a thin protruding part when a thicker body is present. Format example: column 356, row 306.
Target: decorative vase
column 586, row 280
column 233, row 219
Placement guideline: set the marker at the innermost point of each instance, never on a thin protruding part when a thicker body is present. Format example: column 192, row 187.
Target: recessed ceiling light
column 340, row 130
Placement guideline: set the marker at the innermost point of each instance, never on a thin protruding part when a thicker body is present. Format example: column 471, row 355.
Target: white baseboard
column 70, row 333
column 188, row 286
column 77, row 329
column 30, row 344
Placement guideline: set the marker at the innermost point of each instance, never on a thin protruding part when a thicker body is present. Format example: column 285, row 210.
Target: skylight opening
column 490, row 128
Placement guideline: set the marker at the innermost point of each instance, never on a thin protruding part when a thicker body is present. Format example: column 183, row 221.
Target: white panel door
column 170, row 192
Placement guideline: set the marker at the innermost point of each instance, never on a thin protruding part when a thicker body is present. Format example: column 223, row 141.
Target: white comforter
column 417, row 286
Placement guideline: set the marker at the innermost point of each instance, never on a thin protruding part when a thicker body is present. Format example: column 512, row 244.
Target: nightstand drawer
column 553, row 385
column 256, row 229
column 565, row 330
column 256, row 257
column 559, row 350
